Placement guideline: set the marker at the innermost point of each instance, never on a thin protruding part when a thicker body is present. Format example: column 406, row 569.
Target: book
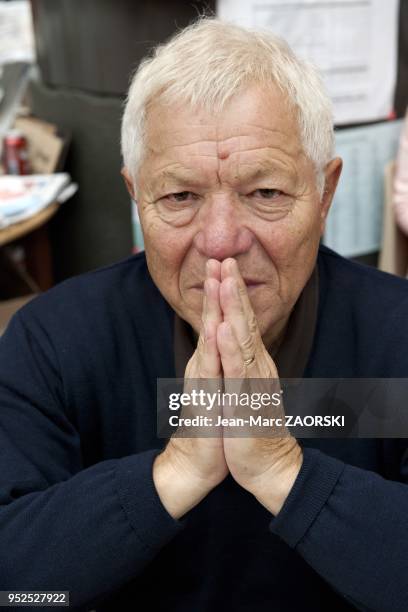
column 21, row 197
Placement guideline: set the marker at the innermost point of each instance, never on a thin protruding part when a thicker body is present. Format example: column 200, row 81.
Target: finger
column 229, row 268
column 211, row 315
column 209, row 362
column 233, row 310
column 230, row 354
column 209, row 358
column 213, row 269
column 211, row 305
column 211, row 302
column 233, row 368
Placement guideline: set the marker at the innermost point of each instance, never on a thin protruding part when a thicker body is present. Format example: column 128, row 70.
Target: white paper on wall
column 16, row 32
column 354, row 224
column 352, row 42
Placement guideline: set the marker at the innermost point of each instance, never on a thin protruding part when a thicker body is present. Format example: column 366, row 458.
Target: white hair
column 210, row 61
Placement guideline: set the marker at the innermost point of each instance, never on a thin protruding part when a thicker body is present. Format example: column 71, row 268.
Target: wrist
column 179, row 492
column 272, row 490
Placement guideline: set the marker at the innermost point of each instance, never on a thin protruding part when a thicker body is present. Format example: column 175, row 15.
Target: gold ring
column 248, row 362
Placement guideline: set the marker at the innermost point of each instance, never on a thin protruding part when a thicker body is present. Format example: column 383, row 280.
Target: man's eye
column 267, row 194
column 181, row 196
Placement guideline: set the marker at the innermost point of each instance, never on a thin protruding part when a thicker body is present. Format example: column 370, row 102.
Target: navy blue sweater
column 78, row 507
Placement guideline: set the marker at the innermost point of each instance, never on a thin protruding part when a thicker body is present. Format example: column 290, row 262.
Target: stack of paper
column 21, row 197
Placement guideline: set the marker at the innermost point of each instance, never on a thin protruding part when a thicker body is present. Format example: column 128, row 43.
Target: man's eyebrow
column 182, row 175
column 265, row 170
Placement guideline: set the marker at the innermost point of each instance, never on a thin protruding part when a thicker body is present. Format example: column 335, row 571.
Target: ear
column 332, row 174
column 129, row 183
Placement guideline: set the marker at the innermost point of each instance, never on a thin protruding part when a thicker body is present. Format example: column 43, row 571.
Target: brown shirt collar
column 293, row 352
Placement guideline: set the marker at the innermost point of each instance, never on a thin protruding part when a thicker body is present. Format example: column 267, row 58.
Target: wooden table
column 33, row 235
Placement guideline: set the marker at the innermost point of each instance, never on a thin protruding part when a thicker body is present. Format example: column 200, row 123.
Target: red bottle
column 15, row 153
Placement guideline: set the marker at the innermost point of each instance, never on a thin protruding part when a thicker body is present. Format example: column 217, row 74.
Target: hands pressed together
column 230, row 346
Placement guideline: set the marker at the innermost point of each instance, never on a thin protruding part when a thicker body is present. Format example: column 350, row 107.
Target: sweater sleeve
column 63, row 527
column 351, row 526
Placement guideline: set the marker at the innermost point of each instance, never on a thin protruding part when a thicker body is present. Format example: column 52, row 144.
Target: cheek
column 162, row 248
column 166, row 249
column 158, row 241
column 293, row 239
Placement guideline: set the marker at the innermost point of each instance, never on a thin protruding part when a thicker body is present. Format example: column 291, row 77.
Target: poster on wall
column 352, row 42
column 16, row 32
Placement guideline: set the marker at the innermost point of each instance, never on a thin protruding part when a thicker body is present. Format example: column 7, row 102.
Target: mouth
column 249, row 282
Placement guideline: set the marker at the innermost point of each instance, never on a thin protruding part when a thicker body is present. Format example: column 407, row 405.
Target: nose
column 222, row 233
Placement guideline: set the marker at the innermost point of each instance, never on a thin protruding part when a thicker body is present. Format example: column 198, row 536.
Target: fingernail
column 232, row 263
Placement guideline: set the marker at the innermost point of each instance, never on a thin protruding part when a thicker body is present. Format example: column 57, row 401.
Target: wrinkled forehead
column 253, row 118
column 255, row 131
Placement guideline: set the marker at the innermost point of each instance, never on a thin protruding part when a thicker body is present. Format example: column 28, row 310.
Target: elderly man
column 227, row 143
